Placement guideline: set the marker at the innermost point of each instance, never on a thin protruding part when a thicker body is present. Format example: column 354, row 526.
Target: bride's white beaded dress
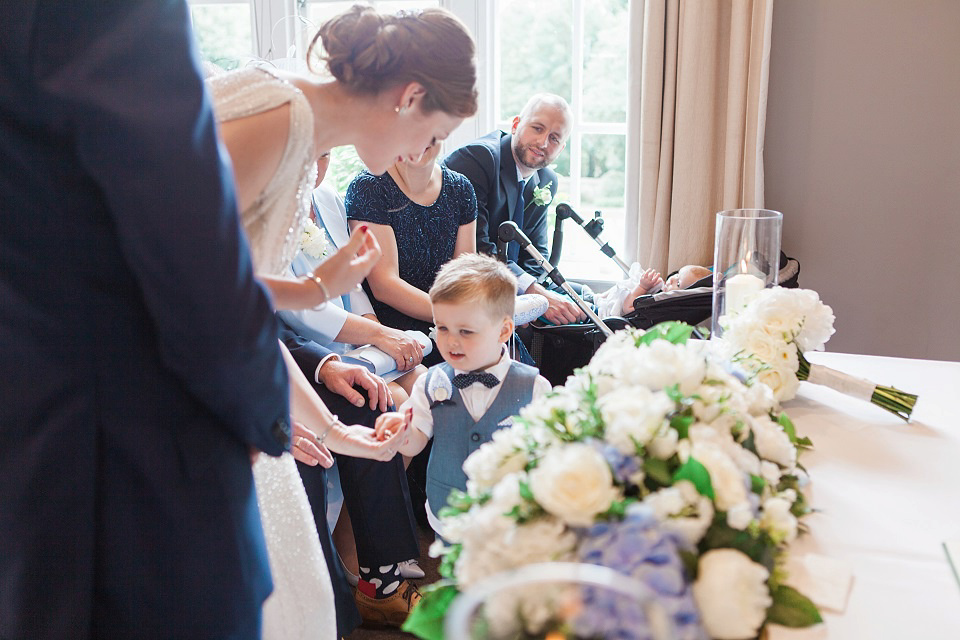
column 302, row 604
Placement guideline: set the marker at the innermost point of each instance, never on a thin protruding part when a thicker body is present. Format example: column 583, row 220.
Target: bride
column 396, row 85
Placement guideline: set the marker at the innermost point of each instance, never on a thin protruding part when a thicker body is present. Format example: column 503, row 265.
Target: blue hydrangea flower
column 638, row 548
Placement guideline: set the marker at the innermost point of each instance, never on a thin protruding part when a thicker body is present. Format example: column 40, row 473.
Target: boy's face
column 468, row 337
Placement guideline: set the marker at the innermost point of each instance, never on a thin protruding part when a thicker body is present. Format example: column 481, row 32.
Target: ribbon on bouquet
column 842, row 382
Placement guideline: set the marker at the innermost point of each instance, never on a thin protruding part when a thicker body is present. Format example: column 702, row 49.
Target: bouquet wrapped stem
column 897, row 402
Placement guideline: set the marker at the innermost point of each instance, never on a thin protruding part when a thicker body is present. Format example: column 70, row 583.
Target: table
column 889, row 495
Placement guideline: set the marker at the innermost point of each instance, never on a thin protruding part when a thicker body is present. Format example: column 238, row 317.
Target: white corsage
column 314, row 240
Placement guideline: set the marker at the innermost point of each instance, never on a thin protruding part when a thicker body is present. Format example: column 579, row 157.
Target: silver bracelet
column 315, row 279
column 320, row 438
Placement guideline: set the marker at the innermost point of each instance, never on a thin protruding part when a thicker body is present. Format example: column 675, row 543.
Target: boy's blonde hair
column 471, row 277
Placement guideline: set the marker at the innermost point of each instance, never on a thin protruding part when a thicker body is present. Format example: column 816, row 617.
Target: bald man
column 502, row 166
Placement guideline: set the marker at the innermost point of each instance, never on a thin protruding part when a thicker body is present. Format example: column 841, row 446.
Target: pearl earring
column 397, row 109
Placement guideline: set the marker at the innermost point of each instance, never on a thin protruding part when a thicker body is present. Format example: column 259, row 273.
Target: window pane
column 344, row 162
column 320, row 12
column 605, row 61
column 601, row 189
column 223, row 32
column 535, row 37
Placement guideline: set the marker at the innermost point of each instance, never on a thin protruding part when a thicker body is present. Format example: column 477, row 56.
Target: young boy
column 475, row 391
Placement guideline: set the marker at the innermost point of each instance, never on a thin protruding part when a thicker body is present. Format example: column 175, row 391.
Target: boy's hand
column 390, row 423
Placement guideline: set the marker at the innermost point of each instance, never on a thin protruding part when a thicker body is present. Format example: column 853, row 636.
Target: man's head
column 473, row 298
column 540, row 132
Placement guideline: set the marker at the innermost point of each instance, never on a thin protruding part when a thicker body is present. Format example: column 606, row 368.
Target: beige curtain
column 698, row 99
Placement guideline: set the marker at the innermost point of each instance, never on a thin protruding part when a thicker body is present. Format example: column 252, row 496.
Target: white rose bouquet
column 770, row 335
column 654, row 460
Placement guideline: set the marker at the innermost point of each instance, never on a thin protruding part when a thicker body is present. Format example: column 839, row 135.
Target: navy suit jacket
column 488, row 163
column 140, row 360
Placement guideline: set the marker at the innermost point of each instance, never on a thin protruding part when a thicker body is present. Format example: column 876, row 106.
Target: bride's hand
column 308, row 450
column 345, row 269
column 361, row 442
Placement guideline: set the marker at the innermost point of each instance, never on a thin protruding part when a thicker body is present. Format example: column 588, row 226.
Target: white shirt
column 477, row 398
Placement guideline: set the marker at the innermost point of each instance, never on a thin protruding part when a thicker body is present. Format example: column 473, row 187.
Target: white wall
column 862, row 156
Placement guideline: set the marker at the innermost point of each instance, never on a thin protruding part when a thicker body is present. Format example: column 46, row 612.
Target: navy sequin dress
column 426, row 236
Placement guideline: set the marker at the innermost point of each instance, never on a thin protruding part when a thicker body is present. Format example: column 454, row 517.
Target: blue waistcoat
column 455, row 433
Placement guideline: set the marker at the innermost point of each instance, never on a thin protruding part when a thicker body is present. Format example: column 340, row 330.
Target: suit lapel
column 508, row 175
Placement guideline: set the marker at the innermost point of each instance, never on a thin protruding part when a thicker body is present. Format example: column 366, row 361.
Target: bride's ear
column 411, row 95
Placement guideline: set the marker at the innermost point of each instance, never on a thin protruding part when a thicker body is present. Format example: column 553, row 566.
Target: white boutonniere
column 541, row 196
column 314, row 240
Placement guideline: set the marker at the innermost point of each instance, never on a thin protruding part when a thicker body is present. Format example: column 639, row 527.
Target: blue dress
column 426, row 236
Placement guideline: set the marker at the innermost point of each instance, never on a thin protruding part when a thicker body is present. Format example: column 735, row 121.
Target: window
column 224, row 32
column 575, row 49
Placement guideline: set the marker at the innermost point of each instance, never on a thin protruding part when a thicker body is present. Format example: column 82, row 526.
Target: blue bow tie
column 464, row 380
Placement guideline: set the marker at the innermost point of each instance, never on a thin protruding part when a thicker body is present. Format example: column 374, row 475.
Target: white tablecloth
column 888, row 495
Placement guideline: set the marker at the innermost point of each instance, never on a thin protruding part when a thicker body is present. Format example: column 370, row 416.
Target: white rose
column 772, row 441
column 488, row 550
column 778, row 520
column 763, row 346
column 728, row 481
column 664, row 444
column 682, row 498
column 574, row 483
column 633, row 414
column 731, row 593
column 781, row 380
column 770, row 472
column 739, row 516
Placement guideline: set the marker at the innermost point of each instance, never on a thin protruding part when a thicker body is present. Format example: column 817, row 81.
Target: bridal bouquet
column 654, row 460
column 770, row 335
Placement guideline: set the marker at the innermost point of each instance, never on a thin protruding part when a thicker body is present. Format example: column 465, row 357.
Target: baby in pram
column 618, row 299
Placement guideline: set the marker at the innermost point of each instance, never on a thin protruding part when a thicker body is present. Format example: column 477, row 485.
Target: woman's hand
column 307, row 449
column 405, row 351
column 347, row 268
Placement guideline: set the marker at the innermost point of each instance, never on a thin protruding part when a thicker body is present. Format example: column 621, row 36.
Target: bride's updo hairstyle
column 368, row 52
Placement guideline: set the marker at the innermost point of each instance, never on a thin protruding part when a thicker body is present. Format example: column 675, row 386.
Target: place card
column 824, row 580
column 952, row 548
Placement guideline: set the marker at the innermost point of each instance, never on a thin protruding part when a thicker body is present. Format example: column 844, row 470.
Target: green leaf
column 698, row 475
column 792, row 609
column 673, row 392
column 757, row 484
column 658, row 470
column 673, row 332
column 787, row 425
column 426, row 619
column 681, row 423
column 525, row 492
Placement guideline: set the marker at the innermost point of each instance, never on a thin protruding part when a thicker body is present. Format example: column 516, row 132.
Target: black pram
column 558, row 350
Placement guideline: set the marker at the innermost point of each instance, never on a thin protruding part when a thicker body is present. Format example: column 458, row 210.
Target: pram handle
column 510, row 232
column 593, row 228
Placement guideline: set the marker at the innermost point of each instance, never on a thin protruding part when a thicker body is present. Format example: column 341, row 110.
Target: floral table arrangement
column 769, row 336
column 655, row 460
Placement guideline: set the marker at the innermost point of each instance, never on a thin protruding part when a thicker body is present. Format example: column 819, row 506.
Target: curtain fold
column 698, row 82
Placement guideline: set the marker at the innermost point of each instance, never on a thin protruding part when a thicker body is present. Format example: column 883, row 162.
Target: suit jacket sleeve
column 305, row 351
column 144, row 133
